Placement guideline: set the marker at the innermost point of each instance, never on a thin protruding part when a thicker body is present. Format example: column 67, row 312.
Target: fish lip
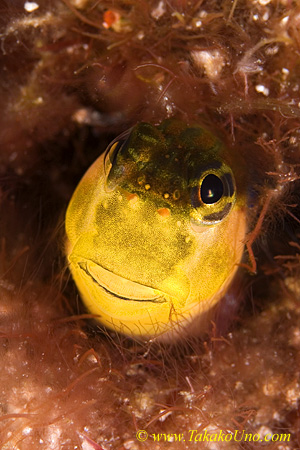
column 95, row 271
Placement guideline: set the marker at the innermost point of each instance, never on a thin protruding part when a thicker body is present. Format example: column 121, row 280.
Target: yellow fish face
column 155, row 228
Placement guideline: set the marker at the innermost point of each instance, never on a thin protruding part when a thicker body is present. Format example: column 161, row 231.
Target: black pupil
column 116, row 150
column 212, row 189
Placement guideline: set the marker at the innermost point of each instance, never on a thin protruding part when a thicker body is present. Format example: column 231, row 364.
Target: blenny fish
column 156, row 228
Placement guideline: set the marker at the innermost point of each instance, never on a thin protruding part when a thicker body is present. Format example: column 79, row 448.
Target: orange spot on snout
column 164, row 212
column 130, row 196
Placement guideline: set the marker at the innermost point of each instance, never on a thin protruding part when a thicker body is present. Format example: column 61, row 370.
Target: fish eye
column 212, row 189
column 114, row 149
column 212, row 196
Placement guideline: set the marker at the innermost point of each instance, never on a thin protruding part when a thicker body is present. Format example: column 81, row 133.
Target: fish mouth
column 120, row 287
